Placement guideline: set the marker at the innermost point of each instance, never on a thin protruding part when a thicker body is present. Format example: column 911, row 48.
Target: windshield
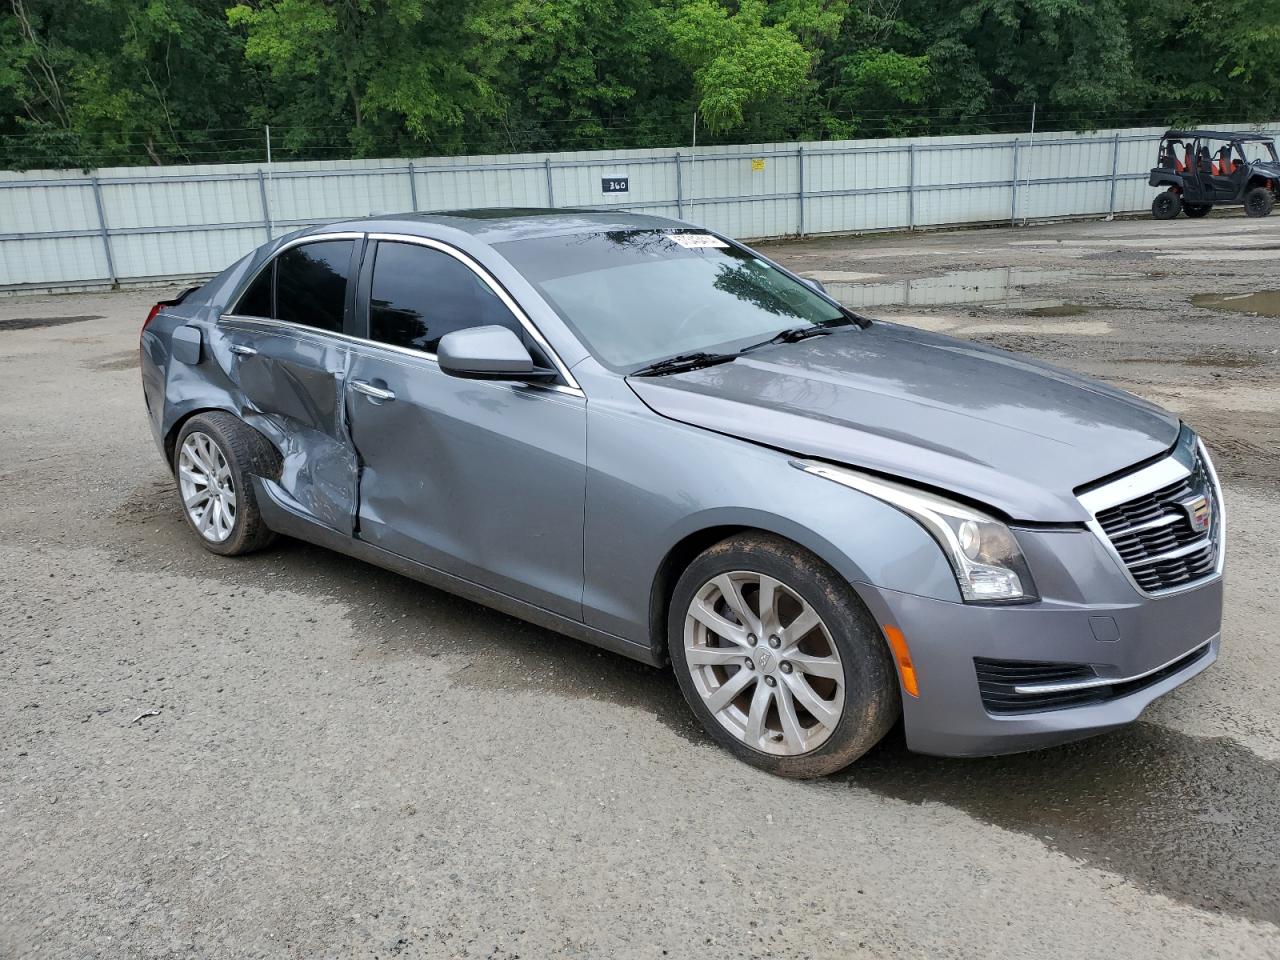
column 1263, row 151
column 637, row 296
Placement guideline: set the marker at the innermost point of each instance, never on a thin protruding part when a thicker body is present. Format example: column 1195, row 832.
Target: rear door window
column 419, row 294
column 311, row 284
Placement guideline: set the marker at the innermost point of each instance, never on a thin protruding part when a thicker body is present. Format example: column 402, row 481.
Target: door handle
column 242, row 350
column 369, row 390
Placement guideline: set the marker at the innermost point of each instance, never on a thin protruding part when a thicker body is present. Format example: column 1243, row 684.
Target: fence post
column 800, row 195
column 102, row 229
column 551, row 191
column 679, row 190
column 911, row 186
column 266, row 210
column 1115, row 171
column 413, row 188
column 1013, row 205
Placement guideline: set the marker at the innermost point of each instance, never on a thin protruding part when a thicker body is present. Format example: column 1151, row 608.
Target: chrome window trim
column 286, row 326
column 295, row 242
column 570, row 385
column 1065, row 686
column 497, row 289
column 1148, row 480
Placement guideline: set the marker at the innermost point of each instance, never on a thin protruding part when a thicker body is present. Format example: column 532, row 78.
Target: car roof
column 1215, row 135
column 500, row 224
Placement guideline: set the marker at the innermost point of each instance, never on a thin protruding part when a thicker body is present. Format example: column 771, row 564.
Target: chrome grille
column 1155, row 535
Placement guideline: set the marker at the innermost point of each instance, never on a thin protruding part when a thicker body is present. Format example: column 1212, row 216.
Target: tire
column 840, row 666
column 210, row 442
column 1197, row 210
column 1166, row 205
column 1258, row 202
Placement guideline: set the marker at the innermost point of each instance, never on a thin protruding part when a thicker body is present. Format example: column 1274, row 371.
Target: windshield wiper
column 682, row 362
column 694, row 361
column 796, row 334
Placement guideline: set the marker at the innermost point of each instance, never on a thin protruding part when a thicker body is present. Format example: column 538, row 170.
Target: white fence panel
column 65, row 228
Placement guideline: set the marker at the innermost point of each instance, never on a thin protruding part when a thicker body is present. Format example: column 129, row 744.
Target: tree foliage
column 93, row 82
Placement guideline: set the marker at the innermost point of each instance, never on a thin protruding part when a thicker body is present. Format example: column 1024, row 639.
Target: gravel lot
column 294, row 755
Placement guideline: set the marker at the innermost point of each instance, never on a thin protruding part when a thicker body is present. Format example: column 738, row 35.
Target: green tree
column 593, row 73
column 94, row 82
column 1209, row 60
column 108, row 79
column 871, row 79
column 388, row 72
column 741, row 59
column 1072, row 56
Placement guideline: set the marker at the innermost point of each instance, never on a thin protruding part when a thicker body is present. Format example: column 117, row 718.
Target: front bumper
column 949, row 718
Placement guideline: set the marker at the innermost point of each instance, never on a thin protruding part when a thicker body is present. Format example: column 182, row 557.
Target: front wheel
column 779, row 659
column 1166, row 205
column 1196, row 210
column 1258, row 202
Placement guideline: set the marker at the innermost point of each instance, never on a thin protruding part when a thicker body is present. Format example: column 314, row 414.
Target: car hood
column 988, row 425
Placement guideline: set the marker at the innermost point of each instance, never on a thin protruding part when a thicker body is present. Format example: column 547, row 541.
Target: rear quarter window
column 256, row 301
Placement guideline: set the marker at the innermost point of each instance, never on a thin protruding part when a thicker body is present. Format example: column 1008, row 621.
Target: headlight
column 983, row 552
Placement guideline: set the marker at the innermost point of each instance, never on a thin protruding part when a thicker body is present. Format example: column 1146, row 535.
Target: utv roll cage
column 1201, row 169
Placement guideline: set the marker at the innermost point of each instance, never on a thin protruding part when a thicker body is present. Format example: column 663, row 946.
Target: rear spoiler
column 161, row 304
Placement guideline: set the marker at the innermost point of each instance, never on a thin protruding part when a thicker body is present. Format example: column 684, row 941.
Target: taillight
column 151, row 315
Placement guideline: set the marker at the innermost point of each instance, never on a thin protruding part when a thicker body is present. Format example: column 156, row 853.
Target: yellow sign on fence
column 757, row 164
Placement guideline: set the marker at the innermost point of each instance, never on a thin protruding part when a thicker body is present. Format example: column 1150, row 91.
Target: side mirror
column 487, row 353
column 816, row 284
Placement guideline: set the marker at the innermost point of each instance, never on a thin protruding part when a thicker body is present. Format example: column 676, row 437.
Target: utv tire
column 214, row 460
column 1258, row 202
column 800, row 704
column 1166, row 205
column 1196, row 210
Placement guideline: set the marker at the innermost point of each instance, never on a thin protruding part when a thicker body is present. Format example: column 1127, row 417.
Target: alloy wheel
column 764, row 663
column 208, row 492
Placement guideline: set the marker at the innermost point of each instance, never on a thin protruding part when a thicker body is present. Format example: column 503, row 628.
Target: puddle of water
column 1197, row 820
column 965, row 326
column 1003, row 288
column 1125, row 255
column 1060, row 310
column 1223, row 358
column 1264, row 303
column 841, row 276
column 1001, row 285
column 33, row 323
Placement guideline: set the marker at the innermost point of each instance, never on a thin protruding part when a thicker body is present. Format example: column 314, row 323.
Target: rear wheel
column 778, row 658
column 214, row 460
column 1166, row 205
column 1258, row 202
column 1196, row 210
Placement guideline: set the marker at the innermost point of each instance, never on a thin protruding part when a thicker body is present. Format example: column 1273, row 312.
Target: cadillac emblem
column 1199, row 512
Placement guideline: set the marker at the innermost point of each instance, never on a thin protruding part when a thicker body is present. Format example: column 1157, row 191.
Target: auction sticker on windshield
column 695, row 241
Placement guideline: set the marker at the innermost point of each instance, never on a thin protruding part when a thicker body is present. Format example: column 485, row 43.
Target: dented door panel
column 485, row 481
column 292, row 385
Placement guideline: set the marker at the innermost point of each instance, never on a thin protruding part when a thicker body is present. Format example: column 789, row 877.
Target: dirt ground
column 294, row 755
